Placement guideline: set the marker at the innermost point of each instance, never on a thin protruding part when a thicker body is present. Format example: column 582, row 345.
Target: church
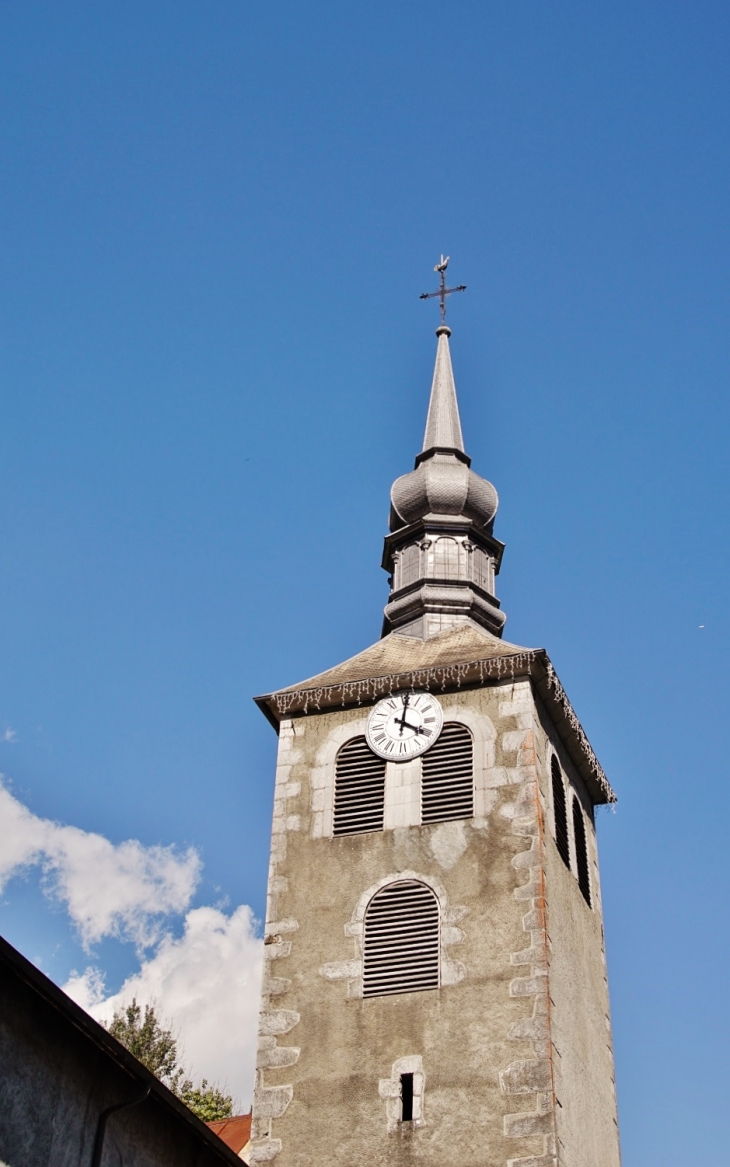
column 435, row 986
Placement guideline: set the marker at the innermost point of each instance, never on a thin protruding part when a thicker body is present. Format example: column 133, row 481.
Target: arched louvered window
column 359, row 789
column 581, row 851
column 560, row 812
column 401, row 946
column 447, row 783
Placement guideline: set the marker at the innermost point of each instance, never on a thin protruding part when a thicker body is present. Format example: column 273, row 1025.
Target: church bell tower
column 435, row 985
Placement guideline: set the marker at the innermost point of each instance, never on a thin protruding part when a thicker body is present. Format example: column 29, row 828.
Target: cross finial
column 443, row 291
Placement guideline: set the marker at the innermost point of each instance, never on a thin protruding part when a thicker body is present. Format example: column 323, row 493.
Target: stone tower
column 435, row 980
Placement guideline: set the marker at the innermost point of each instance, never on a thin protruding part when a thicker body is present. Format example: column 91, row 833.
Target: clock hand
column 402, row 722
column 406, row 725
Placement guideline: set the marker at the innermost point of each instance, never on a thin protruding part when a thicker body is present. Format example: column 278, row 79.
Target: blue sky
column 216, row 221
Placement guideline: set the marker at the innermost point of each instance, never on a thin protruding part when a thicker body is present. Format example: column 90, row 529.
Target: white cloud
column 206, row 984
column 11, row 736
column 123, row 890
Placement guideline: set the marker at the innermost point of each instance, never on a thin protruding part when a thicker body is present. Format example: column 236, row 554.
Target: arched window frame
column 482, row 568
column 446, row 558
column 322, row 774
column 408, row 566
column 452, row 971
column 402, row 940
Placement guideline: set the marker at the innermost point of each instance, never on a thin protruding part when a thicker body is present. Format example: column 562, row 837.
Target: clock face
column 404, row 725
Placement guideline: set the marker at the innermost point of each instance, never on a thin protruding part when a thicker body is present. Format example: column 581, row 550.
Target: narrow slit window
column 359, row 789
column 581, row 851
column 447, row 783
column 402, row 940
column 560, row 812
column 406, row 1097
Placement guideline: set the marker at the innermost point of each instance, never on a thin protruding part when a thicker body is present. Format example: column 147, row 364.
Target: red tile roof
column 235, row 1132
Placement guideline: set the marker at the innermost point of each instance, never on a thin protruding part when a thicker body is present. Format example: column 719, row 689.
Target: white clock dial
column 404, row 725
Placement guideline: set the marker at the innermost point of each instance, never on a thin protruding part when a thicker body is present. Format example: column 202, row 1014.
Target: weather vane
column 443, row 291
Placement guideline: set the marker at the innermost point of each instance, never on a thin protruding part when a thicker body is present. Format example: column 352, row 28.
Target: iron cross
column 443, row 291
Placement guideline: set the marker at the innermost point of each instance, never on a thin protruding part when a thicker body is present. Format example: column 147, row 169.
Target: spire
column 441, row 553
column 443, row 428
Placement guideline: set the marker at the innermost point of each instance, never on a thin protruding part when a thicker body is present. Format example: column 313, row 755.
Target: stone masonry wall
column 482, row 1048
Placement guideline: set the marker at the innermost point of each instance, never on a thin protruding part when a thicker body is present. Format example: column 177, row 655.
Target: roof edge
column 532, row 662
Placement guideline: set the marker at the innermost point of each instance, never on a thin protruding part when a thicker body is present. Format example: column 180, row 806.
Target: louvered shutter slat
column 359, row 789
column 560, row 813
column 447, row 787
column 401, row 949
column 581, row 852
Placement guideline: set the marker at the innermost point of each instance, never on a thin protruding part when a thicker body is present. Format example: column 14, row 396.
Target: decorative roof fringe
column 532, row 662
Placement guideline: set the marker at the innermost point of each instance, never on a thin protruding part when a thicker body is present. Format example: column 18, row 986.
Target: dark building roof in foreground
column 84, row 1031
